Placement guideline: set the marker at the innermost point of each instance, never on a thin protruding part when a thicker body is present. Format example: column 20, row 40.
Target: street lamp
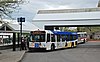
column 20, row 20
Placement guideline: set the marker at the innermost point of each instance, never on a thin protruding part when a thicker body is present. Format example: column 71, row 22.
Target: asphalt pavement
column 88, row 52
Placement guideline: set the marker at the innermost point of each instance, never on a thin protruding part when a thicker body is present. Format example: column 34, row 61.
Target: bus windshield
column 37, row 38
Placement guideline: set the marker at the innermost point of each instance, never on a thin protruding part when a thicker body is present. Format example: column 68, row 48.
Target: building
column 96, row 35
column 67, row 17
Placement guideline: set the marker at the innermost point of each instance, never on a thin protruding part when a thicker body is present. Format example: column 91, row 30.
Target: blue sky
column 30, row 7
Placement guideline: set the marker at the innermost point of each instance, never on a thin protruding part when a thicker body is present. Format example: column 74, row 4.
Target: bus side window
column 78, row 35
column 85, row 35
column 58, row 38
column 31, row 38
column 74, row 37
column 52, row 38
column 71, row 37
column 63, row 38
column 48, row 37
column 67, row 38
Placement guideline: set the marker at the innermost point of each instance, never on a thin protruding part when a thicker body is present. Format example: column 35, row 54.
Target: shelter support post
column 18, row 38
column 14, row 41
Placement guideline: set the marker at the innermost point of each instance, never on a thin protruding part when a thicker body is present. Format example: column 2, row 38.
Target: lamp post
column 20, row 20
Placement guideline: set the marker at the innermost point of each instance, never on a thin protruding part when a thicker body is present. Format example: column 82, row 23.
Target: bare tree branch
column 7, row 7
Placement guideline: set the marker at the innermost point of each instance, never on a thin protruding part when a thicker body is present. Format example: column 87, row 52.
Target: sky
column 30, row 7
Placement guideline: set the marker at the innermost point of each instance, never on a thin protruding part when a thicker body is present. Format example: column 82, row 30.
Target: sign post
column 20, row 20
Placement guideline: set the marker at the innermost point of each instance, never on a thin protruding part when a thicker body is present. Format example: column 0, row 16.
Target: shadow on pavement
column 46, row 51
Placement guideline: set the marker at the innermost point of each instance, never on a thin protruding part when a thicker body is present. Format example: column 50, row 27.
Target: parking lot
column 88, row 52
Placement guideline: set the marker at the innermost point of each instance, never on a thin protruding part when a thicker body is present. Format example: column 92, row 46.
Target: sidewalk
column 94, row 40
column 11, row 56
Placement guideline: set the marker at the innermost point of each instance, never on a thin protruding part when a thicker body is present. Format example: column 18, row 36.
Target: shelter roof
column 15, row 27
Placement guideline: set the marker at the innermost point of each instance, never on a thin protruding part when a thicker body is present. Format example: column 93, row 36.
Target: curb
column 21, row 56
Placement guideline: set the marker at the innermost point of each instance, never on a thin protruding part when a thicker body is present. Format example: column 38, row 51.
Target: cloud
column 30, row 8
column 71, row 3
column 34, row 5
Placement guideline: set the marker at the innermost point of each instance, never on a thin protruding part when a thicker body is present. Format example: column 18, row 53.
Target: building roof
column 68, row 14
column 75, row 17
column 15, row 27
column 68, row 10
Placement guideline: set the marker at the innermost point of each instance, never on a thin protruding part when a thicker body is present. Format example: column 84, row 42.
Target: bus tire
column 84, row 41
column 52, row 47
column 72, row 45
column 76, row 43
column 66, row 45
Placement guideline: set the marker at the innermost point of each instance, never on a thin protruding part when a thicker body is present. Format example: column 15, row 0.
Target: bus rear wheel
column 84, row 41
column 52, row 47
column 72, row 45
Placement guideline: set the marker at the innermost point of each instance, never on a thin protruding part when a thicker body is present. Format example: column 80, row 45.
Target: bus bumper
column 36, row 49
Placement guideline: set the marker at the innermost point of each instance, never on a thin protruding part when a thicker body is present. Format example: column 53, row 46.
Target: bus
column 82, row 37
column 51, row 40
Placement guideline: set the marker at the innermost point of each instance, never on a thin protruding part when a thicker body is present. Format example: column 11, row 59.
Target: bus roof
column 58, row 32
column 62, row 32
column 47, row 31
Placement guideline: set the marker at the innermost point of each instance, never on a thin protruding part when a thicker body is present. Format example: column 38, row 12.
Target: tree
column 99, row 3
column 8, row 6
column 67, row 29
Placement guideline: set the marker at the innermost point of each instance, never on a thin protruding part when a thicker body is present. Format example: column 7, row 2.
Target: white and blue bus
column 51, row 40
column 82, row 37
